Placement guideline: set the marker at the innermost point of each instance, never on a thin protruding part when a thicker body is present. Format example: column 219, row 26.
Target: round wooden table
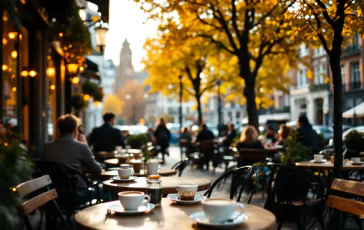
column 106, row 175
column 166, row 217
column 328, row 166
column 130, row 151
column 169, row 184
column 116, row 162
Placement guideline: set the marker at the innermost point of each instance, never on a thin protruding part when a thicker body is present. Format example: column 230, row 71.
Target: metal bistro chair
column 186, row 148
column 26, row 208
column 73, row 187
column 251, row 156
column 240, row 178
column 347, row 196
column 207, row 153
column 180, row 166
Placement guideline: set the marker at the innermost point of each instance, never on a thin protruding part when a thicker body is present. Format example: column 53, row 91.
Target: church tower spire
column 126, row 69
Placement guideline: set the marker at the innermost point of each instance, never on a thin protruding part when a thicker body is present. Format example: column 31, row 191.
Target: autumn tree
column 331, row 23
column 112, row 104
column 248, row 30
column 173, row 55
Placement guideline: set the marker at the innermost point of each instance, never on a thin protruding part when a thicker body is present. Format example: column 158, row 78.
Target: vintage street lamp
column 72, row 68
column 100, row 33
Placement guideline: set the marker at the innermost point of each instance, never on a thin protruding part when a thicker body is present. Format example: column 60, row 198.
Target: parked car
column 174, row 128
column 358, row 128
column 133, row 129
column 325, row 131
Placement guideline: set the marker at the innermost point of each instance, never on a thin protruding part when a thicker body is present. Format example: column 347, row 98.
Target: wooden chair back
column 344, row 204
column 184, row 143
column 251, row 156
column 28, row 187
column 207, row 145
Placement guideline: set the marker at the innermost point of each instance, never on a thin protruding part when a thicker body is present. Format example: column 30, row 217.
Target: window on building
column 301, row 78
column 349, row 103
column 303, row 50
column 354, row 75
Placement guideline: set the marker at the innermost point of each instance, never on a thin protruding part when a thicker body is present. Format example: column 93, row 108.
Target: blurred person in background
column 230, row 136
column 306, row 134
column 284, row 132
column 163, row 137
column 271, row 134
column 249, row 139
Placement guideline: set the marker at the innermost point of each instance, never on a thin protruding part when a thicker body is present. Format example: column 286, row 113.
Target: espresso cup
column 133, row 199
column 152, row 167
column 187, row 191
column 124, row 173
column 318, row 157
column 355, row 159
column 219, row 209
column 125, row 166
column 136, row 156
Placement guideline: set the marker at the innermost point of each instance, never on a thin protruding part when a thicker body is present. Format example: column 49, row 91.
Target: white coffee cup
column 318, row 157
column 187, row 191
column 124, row 173
column 355, row 159
column 131, row 200
column 152, row 167
column 220, row 209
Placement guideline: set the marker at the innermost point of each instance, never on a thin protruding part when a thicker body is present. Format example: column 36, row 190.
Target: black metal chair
column 180, row 166
column 288, row 196
column 74, row 188
column 241, row 177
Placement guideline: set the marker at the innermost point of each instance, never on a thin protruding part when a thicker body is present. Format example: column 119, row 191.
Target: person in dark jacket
column 207, row 152
column 163, row 137
column 106, row 138
column 306, row 134
column 249, row 139
column 231, row 134
column 205, row 134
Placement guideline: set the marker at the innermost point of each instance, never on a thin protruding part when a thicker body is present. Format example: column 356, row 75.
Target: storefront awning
column 91, row 70
column 103, row 8
column 275, row 116
column 358, row 110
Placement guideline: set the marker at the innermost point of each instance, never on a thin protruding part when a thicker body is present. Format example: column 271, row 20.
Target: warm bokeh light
column 75, row 80
column 50, row 71
column 33, row 73
column 86, row 97
column 60, row 34
column 5, row 41
column 5, row 67
column 14, row 89
column 14, row 54
column 12, row 35
column 53, row 87
column 82, row 68
column 13, row 189
column 96, row 103
column 24, row 73
column 72, row 68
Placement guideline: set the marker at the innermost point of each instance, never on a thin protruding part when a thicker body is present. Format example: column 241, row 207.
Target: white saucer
column 119, row 209
column 200, row 218
column 175, row 197
column 118, row 179
column 319, row 162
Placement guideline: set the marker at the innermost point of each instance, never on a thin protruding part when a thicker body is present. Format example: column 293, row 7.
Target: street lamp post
column 180, row 110
column 218, row 83
column 100, row 33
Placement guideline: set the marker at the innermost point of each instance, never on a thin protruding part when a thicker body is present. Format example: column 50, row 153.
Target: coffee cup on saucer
column 131, row 200
column 152, row 167
column 124, row 173
column 219, row 209
column 355, row 159
column 187, row 191
column 318, row 157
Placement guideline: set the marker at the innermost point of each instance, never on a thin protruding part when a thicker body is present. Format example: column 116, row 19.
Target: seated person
column 205, row 135
column 185, row 135
column 271, row 134
column 65, row 149
column 106, row 138
column 231, row 134
column 284, row 132
column 249, row 139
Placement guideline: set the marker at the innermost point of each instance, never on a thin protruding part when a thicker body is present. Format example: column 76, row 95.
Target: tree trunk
column 251, row 106
column 199, row 110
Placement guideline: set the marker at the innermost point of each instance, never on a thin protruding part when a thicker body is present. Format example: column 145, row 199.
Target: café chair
column 27, row 189
column 288, row 190
column 251, row 156
column 185, row 146
column 207, row 151
column 180, row 166
column 241, row 179
column 76, row 191
column 345, row 197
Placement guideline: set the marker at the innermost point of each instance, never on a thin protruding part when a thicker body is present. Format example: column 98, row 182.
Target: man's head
column 231, row 127
column 270, row 129
column 204, row 127
column 302, row 121
column 68, row 124
column 109, row 118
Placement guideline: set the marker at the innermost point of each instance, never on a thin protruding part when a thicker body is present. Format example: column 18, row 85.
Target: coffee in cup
column 220, row 209
column 132, row 200
column 124, row 173
column 136, row 156
column 318, row 157
column 137, row 164
column 355, row 159
column 187, row 191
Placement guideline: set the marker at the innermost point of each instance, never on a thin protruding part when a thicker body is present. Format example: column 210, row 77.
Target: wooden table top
column 116, row 162
column 166, row 217
column 106, row 175
column 169, row 184
column 329, row 166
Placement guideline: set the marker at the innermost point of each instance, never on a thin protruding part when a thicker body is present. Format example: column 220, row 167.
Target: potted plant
column 295, row 150
column 354, row 144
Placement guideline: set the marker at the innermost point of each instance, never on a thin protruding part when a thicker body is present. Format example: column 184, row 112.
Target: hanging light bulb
column 14, row 54
column 75, row 80
column 33, row 73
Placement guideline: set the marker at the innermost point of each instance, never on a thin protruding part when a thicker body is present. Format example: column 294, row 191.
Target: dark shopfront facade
column 32, row 76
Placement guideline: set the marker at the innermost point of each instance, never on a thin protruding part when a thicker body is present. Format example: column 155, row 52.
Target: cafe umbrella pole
column 180, row 112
